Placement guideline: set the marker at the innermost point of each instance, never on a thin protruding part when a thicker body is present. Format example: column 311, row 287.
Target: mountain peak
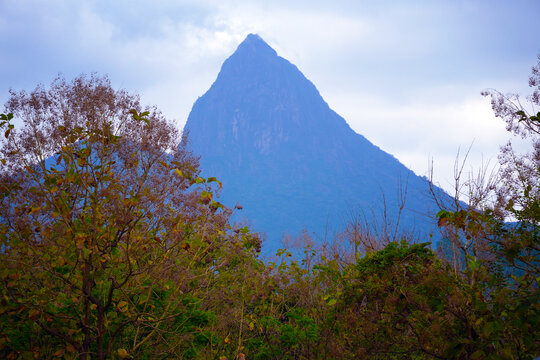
column 252, row 61
column 253, row 39
column 253, row 43
column 265, row 131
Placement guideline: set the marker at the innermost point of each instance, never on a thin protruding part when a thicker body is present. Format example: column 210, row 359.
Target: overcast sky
column 405, row 74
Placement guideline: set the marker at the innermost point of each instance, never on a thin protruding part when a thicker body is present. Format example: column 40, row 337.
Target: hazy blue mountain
column 290, row 160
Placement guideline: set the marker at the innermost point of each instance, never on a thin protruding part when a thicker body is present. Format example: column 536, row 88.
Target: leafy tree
column 501, row 272
column 390, row 304
column 110, row 241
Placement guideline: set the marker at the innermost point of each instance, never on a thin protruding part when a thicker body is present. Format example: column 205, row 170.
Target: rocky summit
column 292, row 162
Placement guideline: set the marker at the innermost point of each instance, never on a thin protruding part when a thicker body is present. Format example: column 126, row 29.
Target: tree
column 502, row 269
column 109, row 238
column 398, row 302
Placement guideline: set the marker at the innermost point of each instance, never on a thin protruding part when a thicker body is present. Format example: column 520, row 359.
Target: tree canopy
column 109, row 238
column 113, row 246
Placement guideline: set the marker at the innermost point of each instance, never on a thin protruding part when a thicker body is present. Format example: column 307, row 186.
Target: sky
column 405, row 74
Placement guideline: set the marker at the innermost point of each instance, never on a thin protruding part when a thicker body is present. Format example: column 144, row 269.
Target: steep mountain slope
column 290, row 160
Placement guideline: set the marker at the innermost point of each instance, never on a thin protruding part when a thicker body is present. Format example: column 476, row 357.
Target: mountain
column 281, row 152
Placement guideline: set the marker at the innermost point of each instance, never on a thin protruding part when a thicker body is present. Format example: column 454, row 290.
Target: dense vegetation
column 113, row 246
